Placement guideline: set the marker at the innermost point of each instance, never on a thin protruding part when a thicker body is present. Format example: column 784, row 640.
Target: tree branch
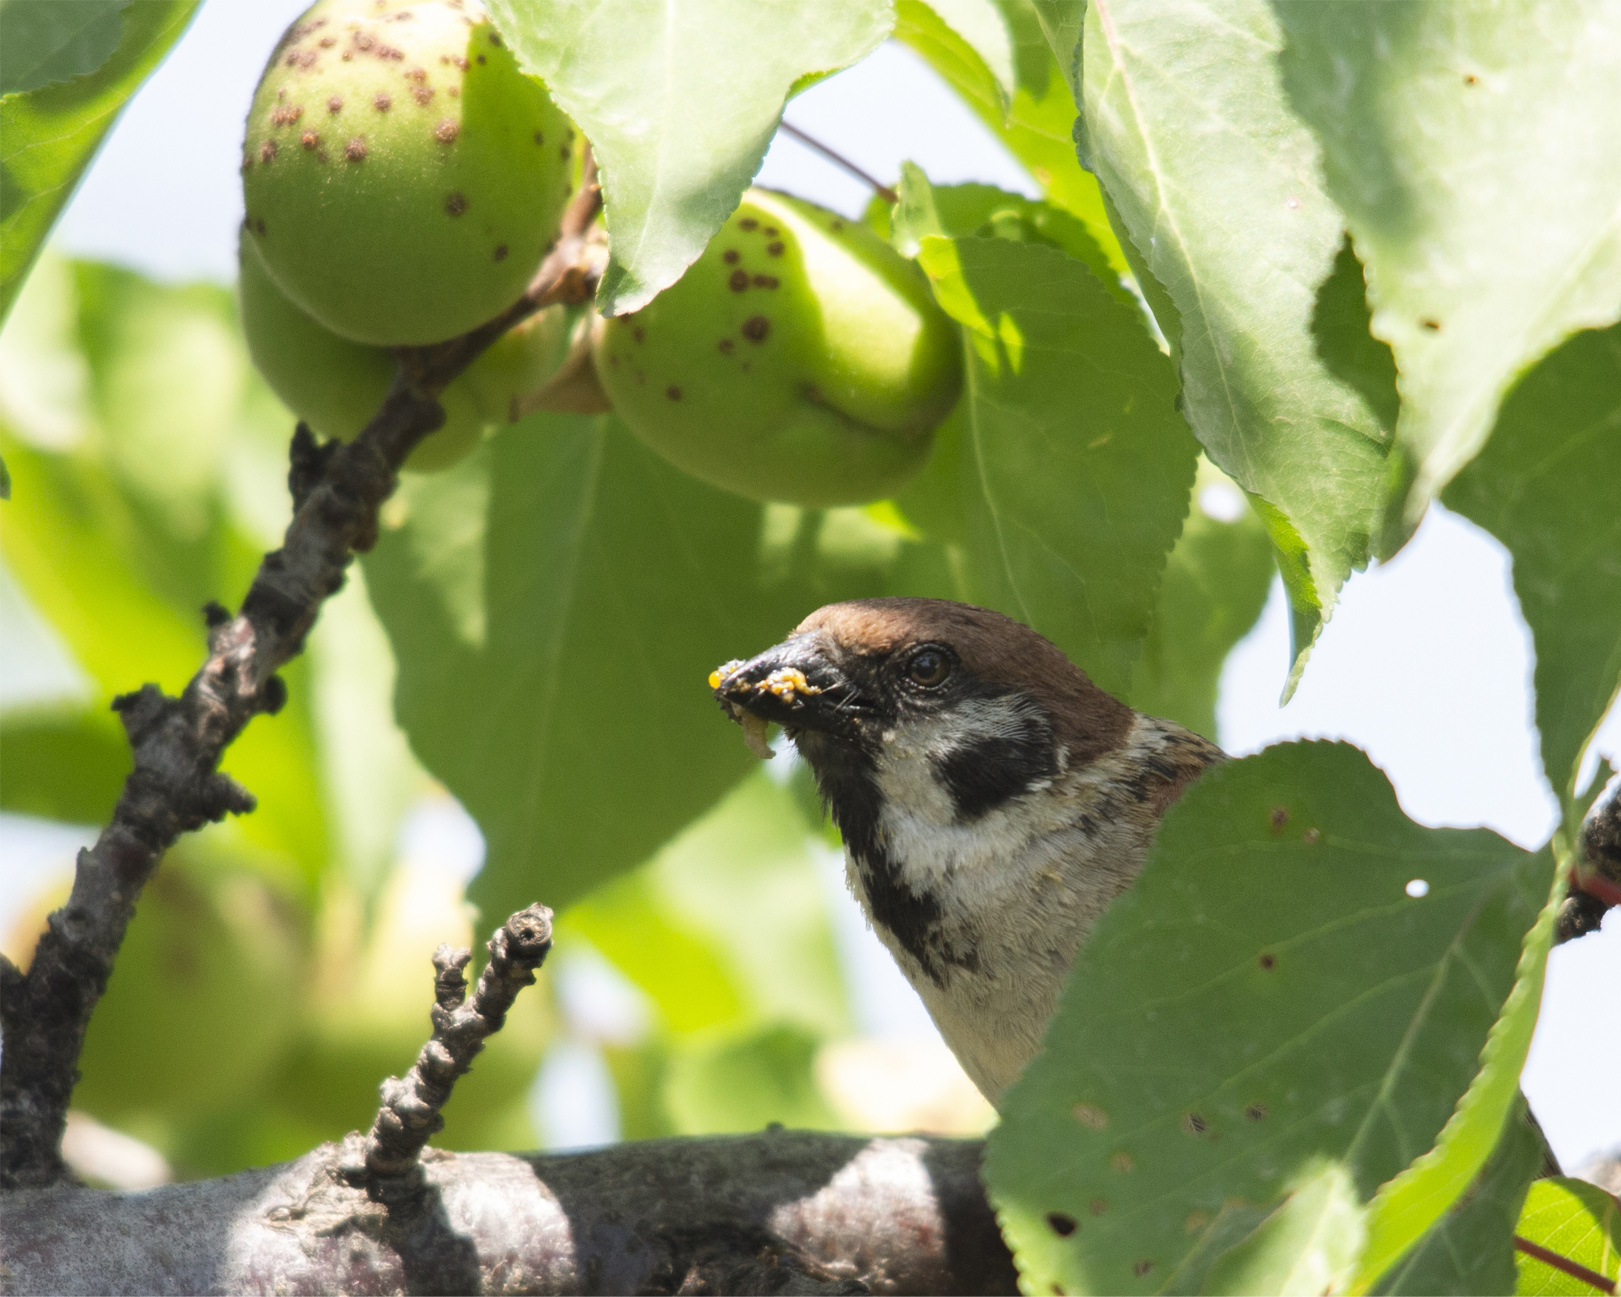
column 1596, row 886
column 176, row 785
column 410, row 1116
column 782, row 1212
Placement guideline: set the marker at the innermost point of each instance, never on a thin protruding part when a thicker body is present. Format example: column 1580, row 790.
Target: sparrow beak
column 794, row 685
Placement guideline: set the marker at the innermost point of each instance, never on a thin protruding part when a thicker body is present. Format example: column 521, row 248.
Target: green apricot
column 335, row 385
column 402, row 176
column 800, row 358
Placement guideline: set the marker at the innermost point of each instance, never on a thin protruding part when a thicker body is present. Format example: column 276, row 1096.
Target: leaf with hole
column 1268, row 1027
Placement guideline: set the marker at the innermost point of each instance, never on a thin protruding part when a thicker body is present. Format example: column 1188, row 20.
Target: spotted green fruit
column 402, row 177
column 331, row 383
column 800, row 358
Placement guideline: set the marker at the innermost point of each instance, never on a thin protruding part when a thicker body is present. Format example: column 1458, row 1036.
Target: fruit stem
column 838, row 159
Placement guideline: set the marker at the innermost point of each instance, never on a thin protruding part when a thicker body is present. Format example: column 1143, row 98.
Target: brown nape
column 995, row 648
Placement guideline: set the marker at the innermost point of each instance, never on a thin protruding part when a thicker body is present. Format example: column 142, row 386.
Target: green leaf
column 727, row 927
column 1259, row 1034
column 680, row 102
column 983, row 27
column 46, row 41
column 1472, row 150
column 1411, row 1203
column 1545, row 486
column 1577, row 1220
column 740, row 1083
column 50, row 134
column 555, row 604
column 64, row 767
column 1471, row 1248
column 956, row 211
column 1214, row 181
column 1215, row 585
column 1076, row 468
column 1036, row 125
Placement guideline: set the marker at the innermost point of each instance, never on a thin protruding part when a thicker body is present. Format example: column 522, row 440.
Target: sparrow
column 992, row 799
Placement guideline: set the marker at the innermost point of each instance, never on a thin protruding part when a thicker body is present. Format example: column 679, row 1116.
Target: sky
column 1425, row 664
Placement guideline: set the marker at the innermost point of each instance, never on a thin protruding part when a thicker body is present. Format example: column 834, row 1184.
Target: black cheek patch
column 990, row 771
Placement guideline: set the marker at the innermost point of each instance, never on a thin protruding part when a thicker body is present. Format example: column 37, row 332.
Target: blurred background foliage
column 280, row 968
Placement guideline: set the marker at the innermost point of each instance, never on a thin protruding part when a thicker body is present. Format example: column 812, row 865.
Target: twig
column 176, row 786
column 411, row 1111
column 1575, row 1269
column 838, row 159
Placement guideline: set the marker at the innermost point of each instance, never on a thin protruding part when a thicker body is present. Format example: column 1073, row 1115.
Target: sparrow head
column 980, row 707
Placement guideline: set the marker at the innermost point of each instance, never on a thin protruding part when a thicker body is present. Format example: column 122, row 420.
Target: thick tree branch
column 176, row 785
column 779, row 1212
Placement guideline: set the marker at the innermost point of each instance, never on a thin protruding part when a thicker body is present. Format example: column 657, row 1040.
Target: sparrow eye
column 928, row 667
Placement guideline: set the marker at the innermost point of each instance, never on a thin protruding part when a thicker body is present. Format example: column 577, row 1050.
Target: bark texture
column 778, row 1212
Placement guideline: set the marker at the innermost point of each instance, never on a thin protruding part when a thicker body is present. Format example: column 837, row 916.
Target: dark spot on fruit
column 730, row 256
column 1098, row 1206
column 456, row 204
column 382, row 103
column 334, row 105
column 286, row 116
column 613, row 362
column 638, row 333
column 500, row 252
column 1269, row 961
column 363, row 41
column 725, row 346
column 259, row 227
column 564, row 152
column 355, row 150
column 281, row 94
column 673, row 392
column 1256, row 1112
column 455, row 92
column 417, row 74
column 447, row 131
column 746, row 366
column 267, row 150
column 1142, row 1267
column 481, row 60
column 1311, row 837
column 835, row 225
column 738, row 280
column 495, row 39
column 1062, row 1225
column 445, row 59
column 766, row 281
column 460, row 61
column 771, row 231
column 748, row 223
column 1469, row 79
column 326, row 42
column 300, row 59
column 1090, row 1115
column 389, row 52
column 774, row 248
column 641, row 377
column 347, row 55
column 539, row 138
column 1121, row 1162
column 1194, row 1124
column 422, row 94
column 310, row 140
column 246, row 164
column 1434, row 326
column 755, row 328
column 1278, row 818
